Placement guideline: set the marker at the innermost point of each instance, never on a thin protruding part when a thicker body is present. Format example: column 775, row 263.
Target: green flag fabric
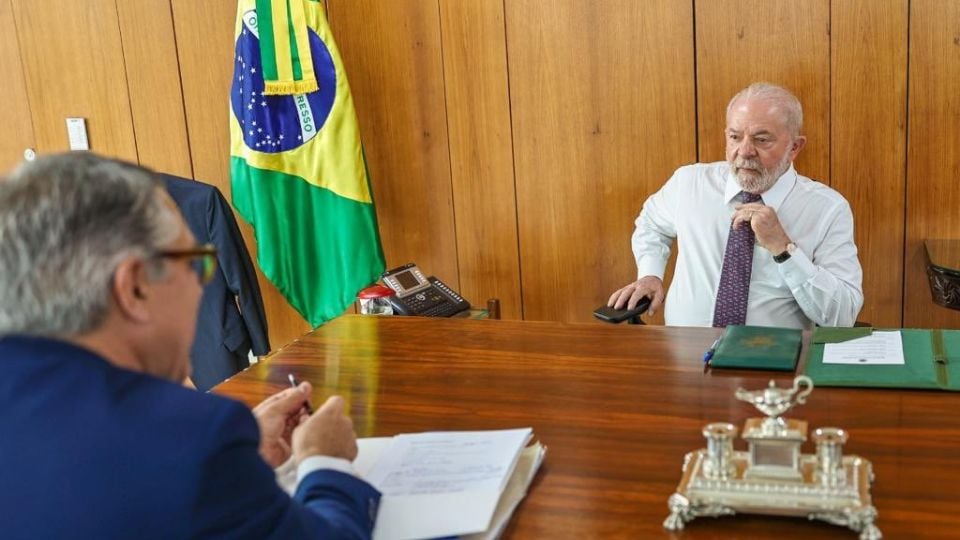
column 298, row 174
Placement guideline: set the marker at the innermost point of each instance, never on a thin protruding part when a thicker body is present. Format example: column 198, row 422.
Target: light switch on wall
column 77, row 134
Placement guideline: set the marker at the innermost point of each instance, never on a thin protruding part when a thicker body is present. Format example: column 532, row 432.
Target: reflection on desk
column 619, row 406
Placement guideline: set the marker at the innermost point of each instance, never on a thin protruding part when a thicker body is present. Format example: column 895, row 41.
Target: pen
column 293, row 383
column 707, row 356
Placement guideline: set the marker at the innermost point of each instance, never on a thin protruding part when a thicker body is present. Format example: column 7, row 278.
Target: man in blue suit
column 100, row 279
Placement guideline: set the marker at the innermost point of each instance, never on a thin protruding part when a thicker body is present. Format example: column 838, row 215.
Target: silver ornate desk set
column 773, row 477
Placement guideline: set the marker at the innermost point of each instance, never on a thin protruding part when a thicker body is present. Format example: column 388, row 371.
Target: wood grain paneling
column 868, row 141
column 14, row 107
column 602, row 104
column 481, row 152
column 205, row 49
column 73, row 63
column 392, row 56
column 933, row 151
column 784, row 42
column 153, row 79
column 205, row 42
column 511, row 143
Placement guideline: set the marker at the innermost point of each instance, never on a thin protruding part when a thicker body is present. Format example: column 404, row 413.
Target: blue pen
column 709, row 354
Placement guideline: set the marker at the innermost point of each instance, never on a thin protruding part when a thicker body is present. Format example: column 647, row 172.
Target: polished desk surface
column 617, row 406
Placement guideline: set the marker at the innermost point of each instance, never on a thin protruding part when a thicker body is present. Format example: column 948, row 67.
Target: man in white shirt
column 804, row 268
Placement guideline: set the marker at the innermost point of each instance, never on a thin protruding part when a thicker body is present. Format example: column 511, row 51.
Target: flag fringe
column 288, row 88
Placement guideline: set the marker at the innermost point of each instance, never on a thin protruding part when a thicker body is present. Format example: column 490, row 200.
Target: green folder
column 758, row 347
column 931, row 361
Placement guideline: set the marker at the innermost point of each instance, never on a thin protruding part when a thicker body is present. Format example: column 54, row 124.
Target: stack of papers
column 451, row 483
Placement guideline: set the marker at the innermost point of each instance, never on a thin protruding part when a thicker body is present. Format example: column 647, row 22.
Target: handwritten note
column 879, row 348
column 448, row 462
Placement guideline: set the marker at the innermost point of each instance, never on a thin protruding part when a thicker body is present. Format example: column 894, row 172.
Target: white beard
column 758, row 183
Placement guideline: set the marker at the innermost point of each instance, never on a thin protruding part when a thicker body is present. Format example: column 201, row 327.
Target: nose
column 746, row 148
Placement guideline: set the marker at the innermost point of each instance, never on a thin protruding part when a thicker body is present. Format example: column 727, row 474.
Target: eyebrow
column 740, row 131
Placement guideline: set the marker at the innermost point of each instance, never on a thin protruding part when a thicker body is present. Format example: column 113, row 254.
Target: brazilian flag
column 297, row 168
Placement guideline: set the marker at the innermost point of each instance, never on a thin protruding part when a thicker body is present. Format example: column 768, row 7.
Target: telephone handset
column 416, row 294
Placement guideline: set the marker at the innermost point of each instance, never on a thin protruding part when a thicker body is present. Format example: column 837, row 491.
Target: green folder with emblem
column 931, row 360
column 758, row 347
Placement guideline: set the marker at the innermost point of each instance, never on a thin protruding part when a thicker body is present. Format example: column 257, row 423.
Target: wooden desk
column 618, row 406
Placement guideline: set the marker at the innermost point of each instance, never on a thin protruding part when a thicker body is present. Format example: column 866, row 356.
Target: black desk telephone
column 419, row 295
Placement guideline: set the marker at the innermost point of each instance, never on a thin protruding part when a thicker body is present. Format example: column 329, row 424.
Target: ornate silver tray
column 773, row 477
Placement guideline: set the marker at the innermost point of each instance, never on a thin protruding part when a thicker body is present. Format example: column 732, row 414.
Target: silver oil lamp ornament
column 773, row 476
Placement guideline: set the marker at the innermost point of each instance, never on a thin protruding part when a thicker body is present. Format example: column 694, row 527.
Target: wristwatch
column 791, row 247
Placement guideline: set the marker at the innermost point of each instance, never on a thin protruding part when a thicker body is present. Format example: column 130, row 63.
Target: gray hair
column 789, row 104
column 66, row 222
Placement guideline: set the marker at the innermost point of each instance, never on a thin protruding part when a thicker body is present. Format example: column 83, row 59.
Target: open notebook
column 436, row 484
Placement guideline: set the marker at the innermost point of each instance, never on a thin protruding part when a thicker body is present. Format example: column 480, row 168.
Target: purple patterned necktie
column 734, row 289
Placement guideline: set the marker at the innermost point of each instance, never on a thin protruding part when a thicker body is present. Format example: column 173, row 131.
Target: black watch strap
column 781, row 257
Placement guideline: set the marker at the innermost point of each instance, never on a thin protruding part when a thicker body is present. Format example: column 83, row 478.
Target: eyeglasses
column 203, row 259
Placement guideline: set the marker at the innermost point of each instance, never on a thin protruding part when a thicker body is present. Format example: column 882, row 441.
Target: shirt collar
column 772, row 197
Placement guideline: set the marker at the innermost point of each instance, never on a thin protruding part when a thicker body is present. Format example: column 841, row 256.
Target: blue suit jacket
column 89, row 450
column 225, row 333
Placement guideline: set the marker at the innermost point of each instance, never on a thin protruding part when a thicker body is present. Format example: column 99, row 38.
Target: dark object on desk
column 943, row 271
column 493, row 308
column 931, row 361
column 758, row 347
column 611, row 315
column 231, row 318
column 419, row 295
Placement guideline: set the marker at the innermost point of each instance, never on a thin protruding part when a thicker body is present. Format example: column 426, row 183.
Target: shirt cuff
column 315, row 463
column 797, row 270
column 651, row 267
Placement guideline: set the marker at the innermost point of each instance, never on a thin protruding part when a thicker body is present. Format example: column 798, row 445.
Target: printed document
column 879, row 348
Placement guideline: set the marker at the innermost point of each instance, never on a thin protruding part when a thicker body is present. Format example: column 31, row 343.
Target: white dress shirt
column 820, row 283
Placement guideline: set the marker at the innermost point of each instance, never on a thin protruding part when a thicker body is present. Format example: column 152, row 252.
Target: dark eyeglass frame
column 206, row 254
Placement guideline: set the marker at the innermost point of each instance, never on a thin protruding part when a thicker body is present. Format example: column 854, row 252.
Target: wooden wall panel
column 392, row 56
column 153, row 80
column 14, row 107
column 933, row 151
column 205, row 47
column 784, row 42
column 73, row 63
column 511, row 143
column 868, row 141
column 481, row 152
column 602, row 103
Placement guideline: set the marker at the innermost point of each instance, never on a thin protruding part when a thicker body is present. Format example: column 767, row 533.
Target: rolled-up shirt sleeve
column 827, row 283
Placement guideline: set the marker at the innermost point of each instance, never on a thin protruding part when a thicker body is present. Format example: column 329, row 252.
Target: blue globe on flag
column 274, row 124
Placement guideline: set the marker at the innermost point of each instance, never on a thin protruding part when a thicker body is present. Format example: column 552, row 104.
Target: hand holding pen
column 306, row 403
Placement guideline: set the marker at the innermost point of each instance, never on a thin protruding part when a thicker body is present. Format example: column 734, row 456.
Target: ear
column 131, row 290
column 798, row 143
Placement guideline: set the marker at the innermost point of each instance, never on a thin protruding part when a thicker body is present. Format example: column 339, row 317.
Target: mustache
column 745, row 163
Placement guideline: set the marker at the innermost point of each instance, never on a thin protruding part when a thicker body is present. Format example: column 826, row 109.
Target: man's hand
column 277, row 417
column 628, row 296
column 766, row 226
column 328, row 432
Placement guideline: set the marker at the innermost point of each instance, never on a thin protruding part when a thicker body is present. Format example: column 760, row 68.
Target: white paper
column 516, row 490
column 879, row 348
column 448, row 461
column 443, row 483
